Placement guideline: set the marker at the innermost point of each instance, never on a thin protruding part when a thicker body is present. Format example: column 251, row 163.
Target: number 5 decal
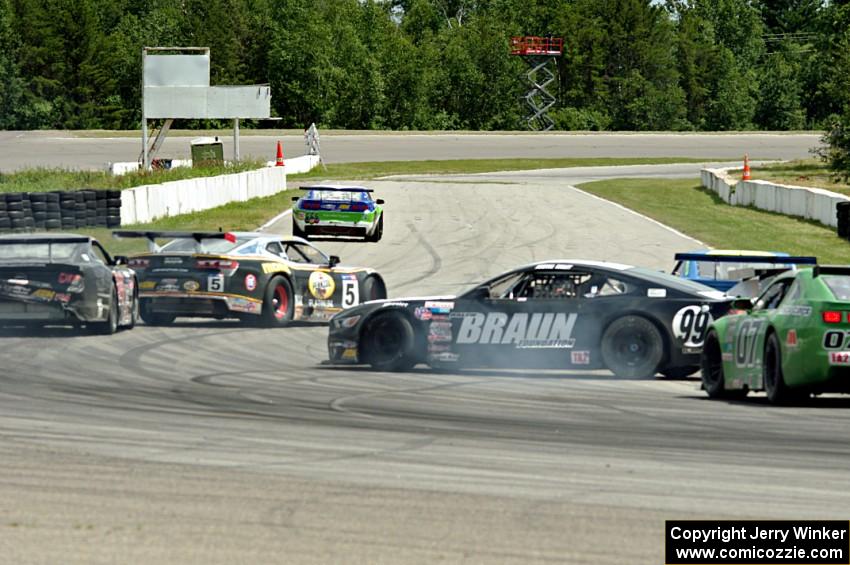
column 350, row 293
column 215, row 283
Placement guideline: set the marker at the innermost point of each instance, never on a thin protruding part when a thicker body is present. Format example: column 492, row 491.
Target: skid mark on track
column 436, row 260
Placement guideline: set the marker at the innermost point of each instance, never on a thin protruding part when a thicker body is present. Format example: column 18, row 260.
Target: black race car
column 258, row 277
column 65, row 279
column 562, row 314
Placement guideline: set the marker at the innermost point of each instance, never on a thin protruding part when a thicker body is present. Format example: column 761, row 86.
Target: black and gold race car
column 57, row 279
column 258, row 277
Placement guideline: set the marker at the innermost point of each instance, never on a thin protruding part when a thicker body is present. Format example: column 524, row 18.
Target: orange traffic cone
column 278, row 162
column 746, row 168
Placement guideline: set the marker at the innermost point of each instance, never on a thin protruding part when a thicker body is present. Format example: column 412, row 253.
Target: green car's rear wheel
column 713, row 379
column 774, row 381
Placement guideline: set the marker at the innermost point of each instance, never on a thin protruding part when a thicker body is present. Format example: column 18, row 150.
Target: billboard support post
column 176, row 85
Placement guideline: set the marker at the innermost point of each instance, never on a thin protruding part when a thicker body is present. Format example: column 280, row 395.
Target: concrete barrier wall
column 147, row 203
column 810, row 203
column 296, row 165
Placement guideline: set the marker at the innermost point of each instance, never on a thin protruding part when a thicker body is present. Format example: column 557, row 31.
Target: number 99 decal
column 690, row 324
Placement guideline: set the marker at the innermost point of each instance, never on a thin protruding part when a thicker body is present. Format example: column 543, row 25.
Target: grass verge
column 809, row 172
column 686, row 206
column 236, row 216
column 373, row 169
column 42, row 180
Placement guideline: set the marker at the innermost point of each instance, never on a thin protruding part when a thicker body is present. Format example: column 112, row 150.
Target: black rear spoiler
column 831, row 270
column 42, row 240
column 152, row 236
column 800, row 260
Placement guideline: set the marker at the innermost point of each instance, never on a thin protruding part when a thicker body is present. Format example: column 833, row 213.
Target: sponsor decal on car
column 656, row 292
column 439, row 307
column 440, row 331
column 172, row 261
column 44, row 294
column 801, row 311
column 537, row 331
column 839, row 358
column 445, row 357
column 349, row 353
column 423, row 314
column 439, row 347
column 147, row 285
column 243, row 304
column 269, row 268
column 167, row 285
column 791, row 338
column 580, row 357
column 321, row 285
column 250, row 282
column 394, row 304
column 191, row 286
column 324, row 304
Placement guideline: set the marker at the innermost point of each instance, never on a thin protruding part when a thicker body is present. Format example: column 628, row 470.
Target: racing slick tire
column 373, row 289
column 676, row 373
column 632, row 347
column 110, row 325
column 298, row 232
column 152, row 318
column 379, row 231
column 389, row 342
column 134, row 309
column 713, row 381
column 278, row 303
column 778, row 392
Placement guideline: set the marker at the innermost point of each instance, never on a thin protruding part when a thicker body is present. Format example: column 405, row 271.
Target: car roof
column 581, row 262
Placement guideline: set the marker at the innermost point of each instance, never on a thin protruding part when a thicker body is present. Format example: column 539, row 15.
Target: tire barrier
column 59, row 210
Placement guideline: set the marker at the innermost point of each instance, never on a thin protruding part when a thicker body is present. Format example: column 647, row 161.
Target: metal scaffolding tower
column 540, row 54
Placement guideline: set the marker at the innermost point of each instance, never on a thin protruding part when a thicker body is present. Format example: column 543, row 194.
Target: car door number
column 836, row 339
column 215, row 283
column 690, row 324
column 745, row 343
column 350, row 293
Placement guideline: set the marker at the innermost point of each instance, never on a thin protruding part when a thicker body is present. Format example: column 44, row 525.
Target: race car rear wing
column 773, row 260
column 41, row 240
column 152, row 236
column 337, row 188
column 831, row 270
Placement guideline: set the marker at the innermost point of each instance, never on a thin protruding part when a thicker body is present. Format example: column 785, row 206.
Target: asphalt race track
column 63, row 149
column 208, row 442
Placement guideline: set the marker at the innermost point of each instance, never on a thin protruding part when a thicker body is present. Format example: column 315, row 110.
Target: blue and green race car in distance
column 337, row 211
column 792, row 341
column 722, row 269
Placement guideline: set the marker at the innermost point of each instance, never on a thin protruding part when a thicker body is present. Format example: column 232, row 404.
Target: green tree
column 11, row 85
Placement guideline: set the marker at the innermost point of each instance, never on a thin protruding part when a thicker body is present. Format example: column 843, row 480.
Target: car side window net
column 551, row 286
column 302, row 253
column 771, row 298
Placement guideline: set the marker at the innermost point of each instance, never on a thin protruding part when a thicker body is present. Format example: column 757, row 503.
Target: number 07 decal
column 350, row 293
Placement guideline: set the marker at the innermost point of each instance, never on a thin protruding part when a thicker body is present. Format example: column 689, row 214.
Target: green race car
column 338, row 211
column 791, row 341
